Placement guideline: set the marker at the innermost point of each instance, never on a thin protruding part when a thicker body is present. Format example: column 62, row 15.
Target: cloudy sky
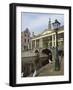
column 37, row 22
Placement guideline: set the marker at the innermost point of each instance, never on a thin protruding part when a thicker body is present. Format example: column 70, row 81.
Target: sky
column 38, row 22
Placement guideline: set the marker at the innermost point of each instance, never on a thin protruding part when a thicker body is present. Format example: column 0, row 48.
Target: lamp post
column 56, row 26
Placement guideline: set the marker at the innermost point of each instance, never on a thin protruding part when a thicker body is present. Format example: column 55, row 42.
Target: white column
column 52, row 40
column 55, row 39
column 35, row 43
column 28, row 46
column 31, row 44
column 41, row 43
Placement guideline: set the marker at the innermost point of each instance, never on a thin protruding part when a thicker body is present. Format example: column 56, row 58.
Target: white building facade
column 47, row 39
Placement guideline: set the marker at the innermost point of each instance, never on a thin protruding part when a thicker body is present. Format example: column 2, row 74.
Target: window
column 28, row 40
column 25, row 35
column 25, row 40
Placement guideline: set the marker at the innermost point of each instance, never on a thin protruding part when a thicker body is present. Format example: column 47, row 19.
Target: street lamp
column 56, row 26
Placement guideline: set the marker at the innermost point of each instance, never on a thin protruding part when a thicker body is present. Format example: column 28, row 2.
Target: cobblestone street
column 49, row 70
